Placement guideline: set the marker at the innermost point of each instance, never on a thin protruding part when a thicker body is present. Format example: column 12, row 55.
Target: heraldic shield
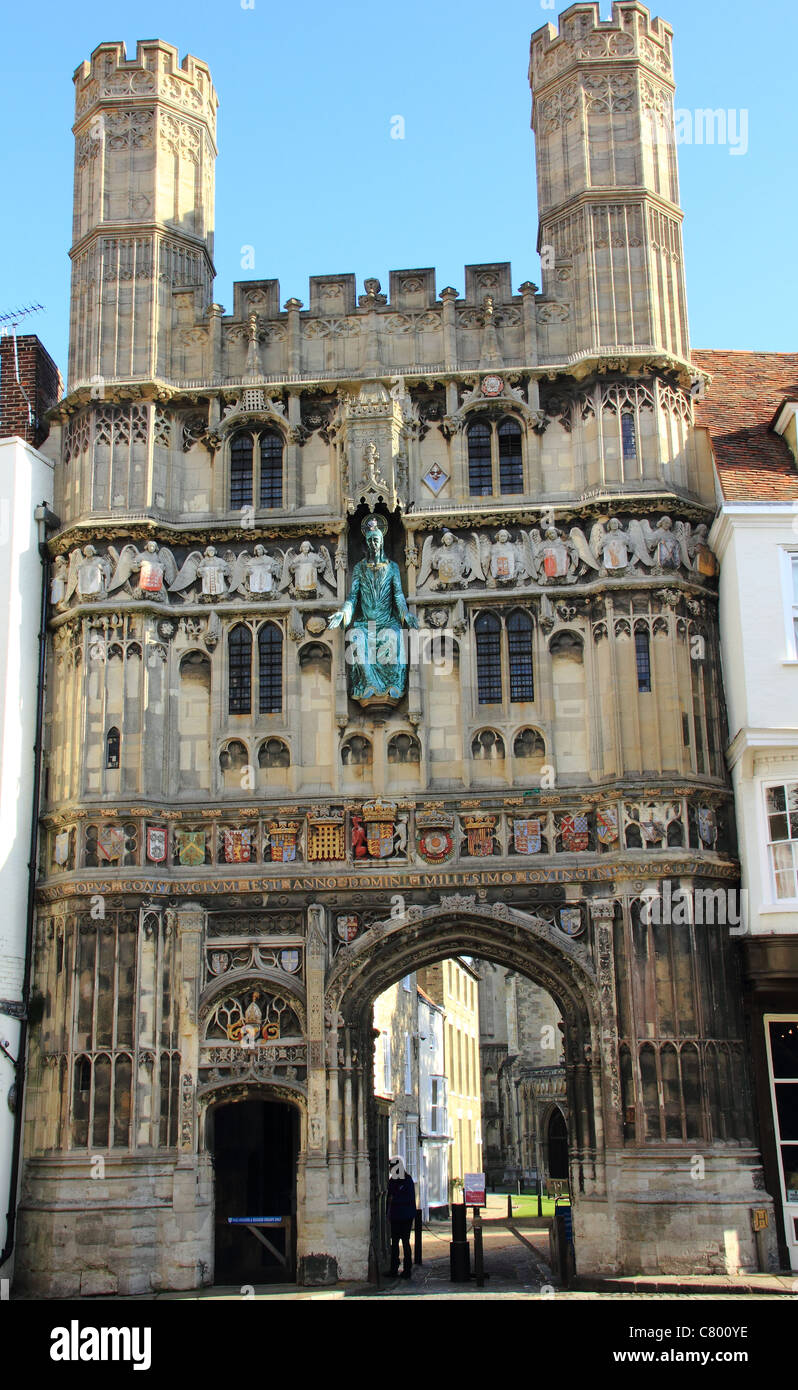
column 190, row 847
column 379, row 818
column 527, row 836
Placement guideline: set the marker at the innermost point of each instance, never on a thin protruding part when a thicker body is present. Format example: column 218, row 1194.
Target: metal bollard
column 509, row 1207
column 479, row 1264
column 417, row 1239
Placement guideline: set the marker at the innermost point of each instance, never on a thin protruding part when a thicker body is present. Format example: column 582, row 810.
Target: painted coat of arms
column 435, row 846
column 289, row 961
column 379, row 818
column 190, row 847
column 157, row 840
column 237, row 846
column 110, row 843
column 283, row 838
column 347, row 925
column 479, row 833
column 607, row 824
column 434, row 836
column 574, row 832
column 707, row 827
column 570, row 921
column 526, row 836
column 327, row 837
column 61, row 850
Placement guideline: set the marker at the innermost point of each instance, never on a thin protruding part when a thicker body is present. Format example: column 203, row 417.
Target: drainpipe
column 45, row 519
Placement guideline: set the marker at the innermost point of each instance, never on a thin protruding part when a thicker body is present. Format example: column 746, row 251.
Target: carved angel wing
column 589, row 554
column 188, row 574
column 683, row 533
column 167, row 559
column 72, row 573
column 641, row 537
column 238, row 570
column 285, row 578
column 428, row 560
column 124, row 562
column 526, row 550
column 476, row 557
column 327, row 573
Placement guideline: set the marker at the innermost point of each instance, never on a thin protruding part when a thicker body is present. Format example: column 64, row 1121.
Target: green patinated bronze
column 374, row 613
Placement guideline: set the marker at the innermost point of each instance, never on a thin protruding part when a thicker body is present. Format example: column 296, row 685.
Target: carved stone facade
column 216, row 803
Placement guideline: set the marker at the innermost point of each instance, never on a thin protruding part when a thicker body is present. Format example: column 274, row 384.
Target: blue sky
column 309, row 175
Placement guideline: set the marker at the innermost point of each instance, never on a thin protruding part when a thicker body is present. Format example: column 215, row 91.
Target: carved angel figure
column 254, row 574
column 58, row 580
column 662, row 540
column 611, row 547
column 556, row 557
column 302, row 570
column 696, row 553
column 209, row 569
column 88, row 573
column 452, row 563
column 154, row 566
column 506, row 561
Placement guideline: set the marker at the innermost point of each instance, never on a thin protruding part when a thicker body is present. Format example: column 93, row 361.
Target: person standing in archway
column 401, row 1202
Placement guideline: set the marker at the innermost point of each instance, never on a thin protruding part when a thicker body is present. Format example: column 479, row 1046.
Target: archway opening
column 558, row 1145
column 254, row 1144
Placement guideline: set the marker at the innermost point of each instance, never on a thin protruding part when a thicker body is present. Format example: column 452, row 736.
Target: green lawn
column 525, row 1205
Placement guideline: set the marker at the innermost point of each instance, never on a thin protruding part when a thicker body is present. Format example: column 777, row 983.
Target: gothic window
column 519, row 650
column 403, row 748
column 269, row 675
column 112, row 748
column 239, row 649
column 241, row 471
column 271, row 469
column 495, row 458
column 256, row 473
column 488, row 631
column 511, row 466
column 356, row 751
column 270, row 669
column 643, row 658
column 628, row 436
column 480, row 468
column 504, row 649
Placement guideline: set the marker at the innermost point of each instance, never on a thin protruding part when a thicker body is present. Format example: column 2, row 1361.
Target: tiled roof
column 747, row 389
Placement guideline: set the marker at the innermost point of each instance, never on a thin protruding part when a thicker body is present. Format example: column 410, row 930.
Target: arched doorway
column 522, row 942
column 557, row 1145
column 254, row 1143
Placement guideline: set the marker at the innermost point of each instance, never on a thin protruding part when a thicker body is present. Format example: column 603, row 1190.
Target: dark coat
column 401, row 1199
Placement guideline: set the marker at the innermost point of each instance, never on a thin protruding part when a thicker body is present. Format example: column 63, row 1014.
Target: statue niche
column 374, row 613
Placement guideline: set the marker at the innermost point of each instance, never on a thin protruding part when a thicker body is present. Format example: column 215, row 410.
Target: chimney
column 24, row 403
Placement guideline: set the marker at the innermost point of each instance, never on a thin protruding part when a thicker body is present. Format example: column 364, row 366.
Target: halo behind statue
column 369, row 522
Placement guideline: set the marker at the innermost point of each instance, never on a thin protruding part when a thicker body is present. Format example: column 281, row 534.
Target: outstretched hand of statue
column 335, row 619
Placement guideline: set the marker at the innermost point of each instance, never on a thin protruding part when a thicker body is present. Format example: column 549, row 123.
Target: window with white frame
column 789, row 574
column 781, row 805
column 408, row 1066
column 386, row 1062
column 438, row 1120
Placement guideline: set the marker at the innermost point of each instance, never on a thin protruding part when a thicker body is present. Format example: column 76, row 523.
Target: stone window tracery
column 495, row 457
column 504, row 650
column 256, row 472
